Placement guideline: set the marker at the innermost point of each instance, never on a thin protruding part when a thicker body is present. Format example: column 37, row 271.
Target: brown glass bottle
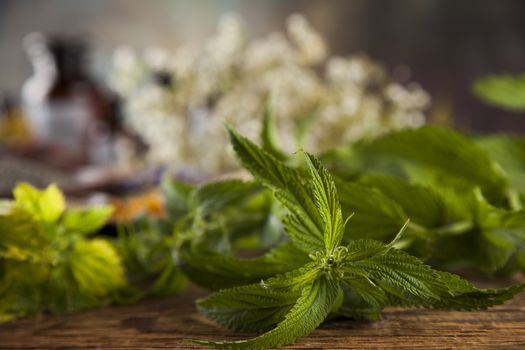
column 68, row 112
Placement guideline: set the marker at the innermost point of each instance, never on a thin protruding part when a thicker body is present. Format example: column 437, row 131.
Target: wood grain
column 168, row 323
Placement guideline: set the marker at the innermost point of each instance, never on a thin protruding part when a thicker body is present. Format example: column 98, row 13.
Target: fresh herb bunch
column 355, row 280
column 204, row 226
column 464, row 195
column 48, row 263
column 149, row 256
column 458, row 192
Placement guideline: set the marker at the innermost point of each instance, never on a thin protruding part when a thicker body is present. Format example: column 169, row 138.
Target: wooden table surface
column 168, row 323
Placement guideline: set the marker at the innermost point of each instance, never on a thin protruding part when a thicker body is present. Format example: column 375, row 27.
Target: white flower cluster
column 177, row 102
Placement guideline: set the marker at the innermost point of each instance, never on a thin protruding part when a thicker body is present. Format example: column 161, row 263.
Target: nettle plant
column 203, row 226
column 355, row 280
column 450, row 198
column 464, row 195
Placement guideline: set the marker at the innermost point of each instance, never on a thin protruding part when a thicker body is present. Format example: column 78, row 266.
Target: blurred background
column 446, row 44
column 442, row 45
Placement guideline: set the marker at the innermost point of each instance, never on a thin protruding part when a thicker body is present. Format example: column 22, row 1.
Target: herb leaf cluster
column 344, row 235
column 464, row 195
column 356, row 280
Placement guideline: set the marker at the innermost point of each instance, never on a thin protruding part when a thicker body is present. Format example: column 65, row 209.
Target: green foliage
column 222, row 215
column 47, row 205
column 327, row 203
column 459, row 193
column 47, row 264
column 86, row 221
column 404, row 280
column 493, row 237
column 96, row 267
column 217, row 271
column 269, row 135
column 150, row 258
column 250, row 308
column 509, row 152
column 365, row 273
column 309, row 311
column 375, row 216
column 278, row 250
column 439, row 156
column 204, row 229
column 303, row 223
column 505, row 91
column 423, row 205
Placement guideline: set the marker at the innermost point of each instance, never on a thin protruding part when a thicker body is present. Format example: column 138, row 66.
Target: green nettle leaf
column 493, row 237
column 269, row 135
column 327, row 202
column 509, row 152
column 423, row 205
column 434, row 156
column 309, row 311
column 216, row 196
column 266, row 168
column 176, row 196
column 217, row 271
column 282, row 290
column 304, row 223
column 406, row 281
column 251, row 308
column 383, row 203
column 356, row 280
column 505, row 91
column 376, row 216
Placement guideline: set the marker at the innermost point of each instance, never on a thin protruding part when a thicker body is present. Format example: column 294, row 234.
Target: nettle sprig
column 355, row 280
column 203, row 228
column 459, row 192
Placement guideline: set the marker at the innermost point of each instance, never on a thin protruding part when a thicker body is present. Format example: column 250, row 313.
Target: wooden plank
column 168, row 323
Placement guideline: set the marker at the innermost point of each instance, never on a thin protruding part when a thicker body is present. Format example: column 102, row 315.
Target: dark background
column 446, row 43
